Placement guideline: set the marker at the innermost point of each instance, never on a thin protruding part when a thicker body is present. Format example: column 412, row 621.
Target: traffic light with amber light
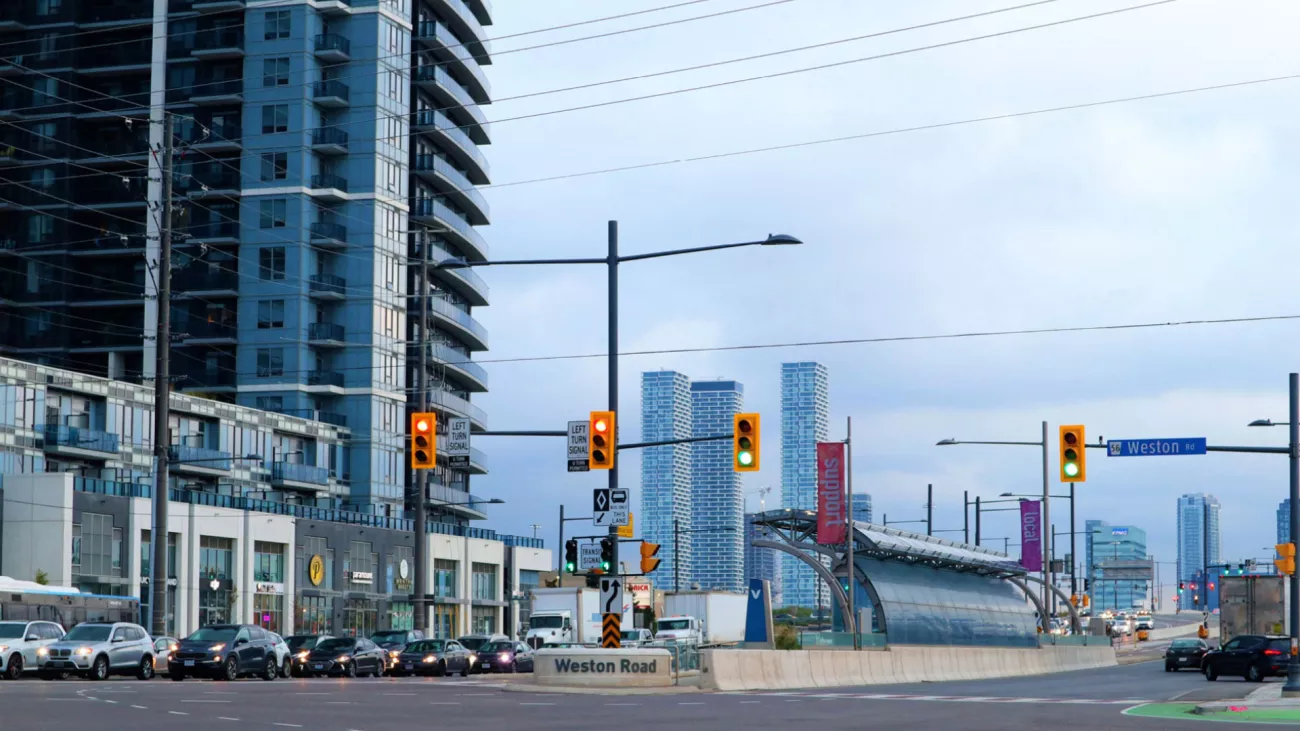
column 608, row 554
column 600, row 440
column 1074, row 459
column 424, row 427
column 648, row 561
column 1286, row 564
column 571, row 555
column 744, row 442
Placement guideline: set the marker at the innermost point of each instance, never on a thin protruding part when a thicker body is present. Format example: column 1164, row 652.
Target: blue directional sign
column 1155, row 447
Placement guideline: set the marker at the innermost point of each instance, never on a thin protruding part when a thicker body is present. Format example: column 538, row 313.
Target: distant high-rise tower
column 761, row 563
column 666, row 470
column 717, row 492
column 1284, row 521
column 1198, row 538
column 1106, row 542
column 805, row 420
column 861, row 507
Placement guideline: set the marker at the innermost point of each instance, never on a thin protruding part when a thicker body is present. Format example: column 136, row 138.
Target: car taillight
column 1272, row 652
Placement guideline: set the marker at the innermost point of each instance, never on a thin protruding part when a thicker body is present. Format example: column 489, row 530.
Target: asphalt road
column 1093, row 699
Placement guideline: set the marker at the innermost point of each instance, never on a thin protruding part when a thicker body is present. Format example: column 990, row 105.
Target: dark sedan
column 393, row 640
column 1185, row 654
column 1254, row 657
column 432, row 657
column 300, row 646
column 506, row 657
column 224, row 652
column 346, row 656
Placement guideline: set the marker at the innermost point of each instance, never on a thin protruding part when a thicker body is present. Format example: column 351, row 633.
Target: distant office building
column 761, row 563
column 861, row 507
column 666, row 470
column 1105, row 542
column 805, row 420
column 1284, row 521
column 1199, row 542
column 717, row 492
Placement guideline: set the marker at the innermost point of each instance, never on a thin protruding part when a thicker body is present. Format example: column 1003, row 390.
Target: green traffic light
column 1071, row 469
column 745, row 458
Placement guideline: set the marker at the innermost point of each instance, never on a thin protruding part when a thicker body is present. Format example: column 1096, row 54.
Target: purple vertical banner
column 1031, row 535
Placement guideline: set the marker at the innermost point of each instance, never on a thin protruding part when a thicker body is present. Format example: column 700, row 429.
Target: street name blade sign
column 578, row 447
column 600, row 513
column 457, row 442
column 619, row 507
column 1155, row 447
column 588, row 556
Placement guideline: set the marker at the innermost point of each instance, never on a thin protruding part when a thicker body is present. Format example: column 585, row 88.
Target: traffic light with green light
column 744, row 442
column 608, row 554
column 571, row 555
column 1074, row 459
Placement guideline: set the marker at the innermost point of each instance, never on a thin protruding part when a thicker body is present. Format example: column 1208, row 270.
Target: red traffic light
column 601, row 426
column 422, row 425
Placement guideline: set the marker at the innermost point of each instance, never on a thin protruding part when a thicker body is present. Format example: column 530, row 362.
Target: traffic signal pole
column 1292, row 687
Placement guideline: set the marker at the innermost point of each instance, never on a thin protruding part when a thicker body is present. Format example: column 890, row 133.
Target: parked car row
column 1254, row 657
column 96, row 650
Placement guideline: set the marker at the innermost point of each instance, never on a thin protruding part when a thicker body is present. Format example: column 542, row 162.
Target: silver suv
column 19, row 644
column 97, row 650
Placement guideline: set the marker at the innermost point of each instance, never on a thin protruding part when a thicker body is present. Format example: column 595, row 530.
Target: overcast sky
column 1165, row 210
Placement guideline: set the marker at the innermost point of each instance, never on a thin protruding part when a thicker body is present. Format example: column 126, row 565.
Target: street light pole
column 1292, row 687
column 1047, row 520
column 612, row 265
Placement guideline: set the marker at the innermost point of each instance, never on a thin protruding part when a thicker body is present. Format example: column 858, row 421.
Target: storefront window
column 268, row 562
column 484, row 581
column 445, row 617
column 359, row 567
column 146, row 594
column 216, row 567
column 483, row 620
column 359, row 617
column 444, row 577
column 315, row 615
column 268, row 611
column 216, row 557
column 401, row 615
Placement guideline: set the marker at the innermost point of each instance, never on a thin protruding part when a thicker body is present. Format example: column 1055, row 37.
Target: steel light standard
column 611, row 261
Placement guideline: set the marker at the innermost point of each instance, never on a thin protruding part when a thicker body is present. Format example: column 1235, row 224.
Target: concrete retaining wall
column 633, row 668
column 780, row 669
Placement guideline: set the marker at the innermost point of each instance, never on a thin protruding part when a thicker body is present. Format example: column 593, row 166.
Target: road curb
column 569, row 690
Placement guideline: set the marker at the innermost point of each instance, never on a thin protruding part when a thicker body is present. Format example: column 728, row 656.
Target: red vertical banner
column 831, row 528
column 1031, row 535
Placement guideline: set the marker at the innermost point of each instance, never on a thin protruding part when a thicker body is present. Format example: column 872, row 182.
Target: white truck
column 569, row 616
column 706, row 617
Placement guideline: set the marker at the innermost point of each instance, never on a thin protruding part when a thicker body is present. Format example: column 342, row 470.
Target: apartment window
column 484, row 580
column 270, row 403
column 48, row 7
column 277, row 24
column 275, row 118
column 444, row 577
column 275, row 72
column 270, row 362
column 271, row 263
column 270, row 314
column 44, row 91
column 275, row 165
column 274, row 213
column 394, row 37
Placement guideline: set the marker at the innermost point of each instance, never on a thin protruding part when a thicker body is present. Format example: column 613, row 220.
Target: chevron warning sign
column 610, row 633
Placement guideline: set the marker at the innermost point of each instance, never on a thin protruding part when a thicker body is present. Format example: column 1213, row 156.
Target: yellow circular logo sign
column 316, row 570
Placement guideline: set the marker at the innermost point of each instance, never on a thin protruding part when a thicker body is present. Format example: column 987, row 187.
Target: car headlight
column 173, row 647
column 429, row 658
column 84, row 651
column 343, row 658
column 4, row 647
column 394, row 653
column 302, row 655
column 217, row 647
column 42, row 651
column 473, row 658
column 505, row 657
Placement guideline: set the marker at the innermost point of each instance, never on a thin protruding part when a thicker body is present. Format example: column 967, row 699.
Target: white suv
column 19, row 642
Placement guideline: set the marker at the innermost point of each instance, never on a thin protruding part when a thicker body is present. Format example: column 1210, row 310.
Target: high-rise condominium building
column 1199, row 544
column 666, row 472
column 717, row 493
column 805, row 420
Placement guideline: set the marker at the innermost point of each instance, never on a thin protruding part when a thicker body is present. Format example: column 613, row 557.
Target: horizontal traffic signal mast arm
column 634, row 445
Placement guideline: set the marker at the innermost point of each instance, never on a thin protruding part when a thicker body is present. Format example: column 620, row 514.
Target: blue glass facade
column 666, row 470
column 330, row 148
column 1105, row 542
column 1198, row 530
column 805, row 420
column 717, row 492
column 861, row 507
column 1284, row 521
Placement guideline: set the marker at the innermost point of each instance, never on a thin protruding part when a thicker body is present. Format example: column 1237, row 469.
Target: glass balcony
column 329, row 141
column 181, row 455
column 466, row 24
column 456, row 185
column 325, row 331
column 462, row 279
column 78, row 438
column 111, row 487
column 204, row 330
column 205, row 279
column 468, row 325
column 223, row 91
column 219, row 43
column 454, row 360
column 332, row 47
column 329, row 230
column 328, row 417
column 441, row 496
column 292, row 472
column 213, row 230
column 325, row 378
column 452, row 402
column 213, row 180
column 329, row 180
column 453, row 93
column 328, row 284
column 331, row 93
column 444, row 44
column 203, row 379
column 463, row 146
column 470, row 240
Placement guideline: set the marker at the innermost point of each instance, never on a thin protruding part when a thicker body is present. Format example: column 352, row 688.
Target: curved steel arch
column 840, row 596
column 1074, row 613
column 1033, row 596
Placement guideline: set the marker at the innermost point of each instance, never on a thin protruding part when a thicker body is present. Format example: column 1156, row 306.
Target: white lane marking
column 445, row 703
column 221, row 692
column 226, row 718
column 338, row 703
column 691, row 703
column 536, row 704
column 178, row 713
column 398, row 694
column 108, row 701
column 71, row 699
column 475, row 695
column 288, row 725
column 311, row 693
column 794, row 700
column 143, row 708
column 744, row 702
column 622, row 704
column 189, row 700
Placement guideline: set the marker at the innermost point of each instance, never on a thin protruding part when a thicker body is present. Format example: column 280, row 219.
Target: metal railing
column 292, row 471
column 438, row 120
column 461, row 318
column 325, row 378
column 329, row 230
column 213, row 459
column 328, row 283
column 331, row 88
column 79, row 438
column 329, row 136
column 325, row 331
column 333, row 42
column 329, row 180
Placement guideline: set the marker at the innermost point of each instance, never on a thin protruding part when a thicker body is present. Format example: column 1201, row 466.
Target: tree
column 42, row 578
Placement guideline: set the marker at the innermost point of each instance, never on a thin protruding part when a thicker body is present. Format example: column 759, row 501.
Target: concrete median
column 780, row 669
